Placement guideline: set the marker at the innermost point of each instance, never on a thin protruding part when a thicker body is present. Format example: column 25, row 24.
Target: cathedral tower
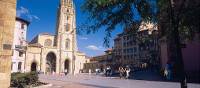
column 65, row 39
column 65, row 31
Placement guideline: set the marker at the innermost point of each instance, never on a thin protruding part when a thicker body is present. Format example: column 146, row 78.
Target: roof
column 23, row 20
column 35, row 45
column 45, row 33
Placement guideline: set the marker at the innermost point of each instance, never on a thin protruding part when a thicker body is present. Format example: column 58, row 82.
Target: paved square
column 92, row 81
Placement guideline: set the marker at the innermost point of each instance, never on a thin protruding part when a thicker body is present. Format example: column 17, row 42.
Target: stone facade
column 55, row 53
column 7, row 23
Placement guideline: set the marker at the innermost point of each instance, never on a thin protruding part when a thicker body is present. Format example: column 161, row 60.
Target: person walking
column 90, row 71
column 97, row 71
column 65, row 71
column 120, row 71
column 128, row 70
column 109, row 71
column 168, row 71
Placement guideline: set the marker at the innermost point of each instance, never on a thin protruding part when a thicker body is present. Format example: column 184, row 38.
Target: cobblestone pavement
column 92, row 81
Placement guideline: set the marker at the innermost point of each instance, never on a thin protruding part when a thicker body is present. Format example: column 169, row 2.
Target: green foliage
column 107, row 14
column 186, row 16
column 22, row 80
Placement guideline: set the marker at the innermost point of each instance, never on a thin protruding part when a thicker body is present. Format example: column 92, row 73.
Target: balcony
column 20, row 48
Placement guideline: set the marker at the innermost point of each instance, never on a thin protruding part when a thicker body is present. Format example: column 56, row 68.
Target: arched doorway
column 66, row 65
column 34, row 66
column 51, row 62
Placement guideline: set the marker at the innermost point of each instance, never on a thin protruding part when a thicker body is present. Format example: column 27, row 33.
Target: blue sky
column 42, row 14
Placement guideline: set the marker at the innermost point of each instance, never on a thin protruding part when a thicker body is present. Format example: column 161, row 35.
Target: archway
column 34, row 66
column 51, row 62
column 66, row 65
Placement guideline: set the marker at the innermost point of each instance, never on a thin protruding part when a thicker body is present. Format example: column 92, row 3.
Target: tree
column 173, row 18
column 108, row 14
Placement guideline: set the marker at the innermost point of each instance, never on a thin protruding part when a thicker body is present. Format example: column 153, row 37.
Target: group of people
column 124, row 72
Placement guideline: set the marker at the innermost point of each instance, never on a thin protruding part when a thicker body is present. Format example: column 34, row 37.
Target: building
column 125, row 49
column 19, row 45
column 95, row 62
column 190, row 54
column 101, row 61
column 129, row 48
column 189, row 48
column 47, row 53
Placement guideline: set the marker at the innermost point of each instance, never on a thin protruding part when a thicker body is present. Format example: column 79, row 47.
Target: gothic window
column 48, row 42
column 67, row 44
column 67, row 27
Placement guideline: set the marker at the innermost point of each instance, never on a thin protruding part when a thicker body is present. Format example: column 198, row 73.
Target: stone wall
column 7, row 23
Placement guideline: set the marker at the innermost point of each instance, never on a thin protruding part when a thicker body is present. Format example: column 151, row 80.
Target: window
column 67, row 27
column 21, row 54
column 12, row 65
column 67, row 44
column 22, row 26
column 19, row 66
column 48, row 42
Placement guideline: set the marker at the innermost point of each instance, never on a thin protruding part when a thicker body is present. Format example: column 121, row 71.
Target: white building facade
column 19, row 45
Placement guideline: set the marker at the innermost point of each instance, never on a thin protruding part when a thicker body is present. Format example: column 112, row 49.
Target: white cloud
column 25, row 12
column 83, row 38
column 36, row 17
column 22, row 11
column 92, row 47
column 95, row 48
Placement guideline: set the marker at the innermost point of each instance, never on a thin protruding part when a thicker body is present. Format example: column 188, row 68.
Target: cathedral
column 49, row 54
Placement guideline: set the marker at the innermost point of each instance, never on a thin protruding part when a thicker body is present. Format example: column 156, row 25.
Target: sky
column 42, row 15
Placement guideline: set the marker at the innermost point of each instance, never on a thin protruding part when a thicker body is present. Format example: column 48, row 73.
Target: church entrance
column 51, row 63
column 34, row 66
column 66, row 65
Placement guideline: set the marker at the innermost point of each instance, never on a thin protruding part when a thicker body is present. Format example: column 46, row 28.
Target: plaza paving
column 93, row 81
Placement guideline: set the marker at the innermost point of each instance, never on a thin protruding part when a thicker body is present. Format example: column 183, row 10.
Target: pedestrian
column 90, row 71
column 165, row 72
column 65, row 71
column 120, row 71
column 97, row 71
column 107, row 71
column 168, row 71
column 128, row 70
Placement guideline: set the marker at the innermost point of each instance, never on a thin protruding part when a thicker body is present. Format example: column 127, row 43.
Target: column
column 7, row 23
